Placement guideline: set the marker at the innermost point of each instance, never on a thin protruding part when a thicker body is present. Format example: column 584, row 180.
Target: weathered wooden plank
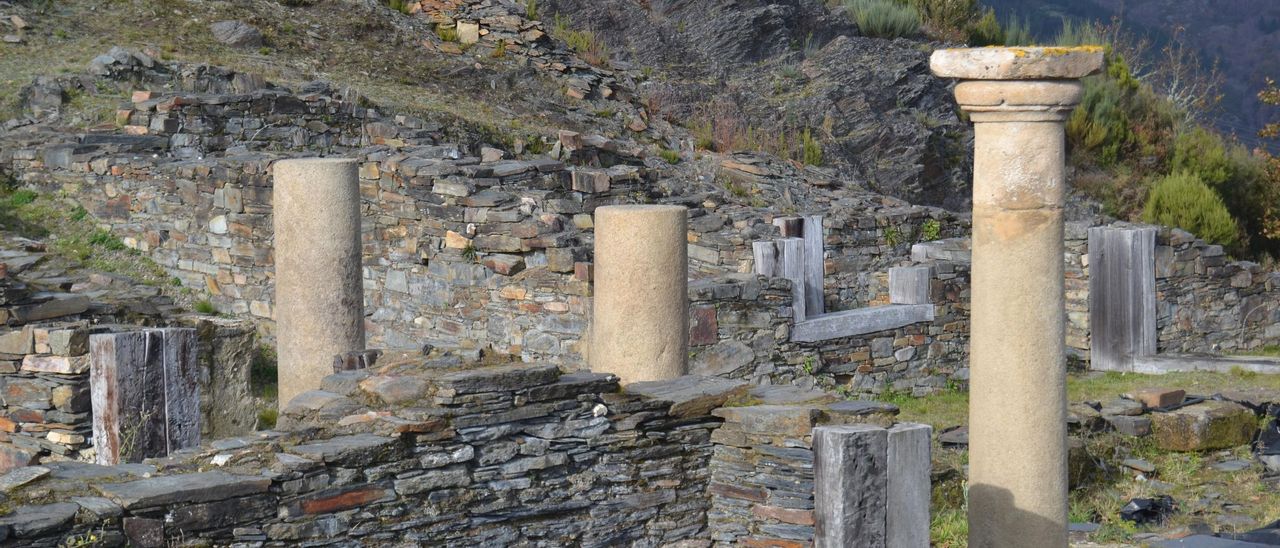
column 766, row 258
column 791, row 259
column 814, row 265
column 145, row 393
column 908, row 486
column 182, row 389
column 789, row 227
column 1122, row 297
column 850, row 482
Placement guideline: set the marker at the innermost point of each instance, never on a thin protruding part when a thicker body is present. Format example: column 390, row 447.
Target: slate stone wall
column 1207, row 303
column 741, row 323
column 501, row 455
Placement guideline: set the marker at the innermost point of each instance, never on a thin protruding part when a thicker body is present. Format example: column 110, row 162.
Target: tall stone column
column 1018, row 100
column 640, row 318
column 319, row 301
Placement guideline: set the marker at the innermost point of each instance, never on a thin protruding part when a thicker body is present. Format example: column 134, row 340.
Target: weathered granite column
column 640, row 319
column 1019, row 100
column 319, row 304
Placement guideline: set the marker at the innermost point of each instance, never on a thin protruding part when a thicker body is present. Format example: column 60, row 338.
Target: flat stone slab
column 778, row 420
column 860, row 321
column 788, row 394
column 34, row 521
column 1031, row 63
column 1185, row 363
column 691, row 395
column 496, row 379
column 185, row 488
column 22, row 476
column 355, row 449
column 860, row 412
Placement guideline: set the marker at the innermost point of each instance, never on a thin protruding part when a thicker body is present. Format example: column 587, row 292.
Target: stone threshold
column 860, row 321
column 1181, row 363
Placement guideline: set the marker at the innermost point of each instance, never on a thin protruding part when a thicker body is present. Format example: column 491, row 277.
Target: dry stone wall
column 423, row 451
column 1208, row 303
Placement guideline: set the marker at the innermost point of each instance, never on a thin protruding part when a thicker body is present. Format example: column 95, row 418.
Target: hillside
column 735, row 76
column 1242, row 36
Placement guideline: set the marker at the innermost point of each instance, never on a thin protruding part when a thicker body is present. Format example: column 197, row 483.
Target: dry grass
column 375, row 50
column 1189, row 474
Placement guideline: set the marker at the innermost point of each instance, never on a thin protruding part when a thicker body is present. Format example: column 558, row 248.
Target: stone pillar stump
column 319, row 302
column 1019, row 100
column 640, row 319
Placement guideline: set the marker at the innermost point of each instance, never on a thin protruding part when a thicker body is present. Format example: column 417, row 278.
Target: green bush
column 1204, row 154
column 884, row 18
column 1184, row 201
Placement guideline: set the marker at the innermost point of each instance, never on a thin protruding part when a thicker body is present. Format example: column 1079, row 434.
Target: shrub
column 671, row 156
column 1203, row 154
column 884, row 18
column 1184, row 201
column 986, row 31
column 1017, row 32
column 945, row 17
column 105, row 240
column 399, row 5
column 447, row 33
column 811, row 151
column 205, row 307
column 585, row 43
column 931, row 230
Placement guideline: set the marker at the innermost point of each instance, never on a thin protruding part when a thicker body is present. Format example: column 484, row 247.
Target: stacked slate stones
column 762, row 480
column 45, row 382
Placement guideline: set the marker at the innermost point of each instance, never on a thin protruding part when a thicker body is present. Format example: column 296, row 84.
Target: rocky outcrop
column 760, row 73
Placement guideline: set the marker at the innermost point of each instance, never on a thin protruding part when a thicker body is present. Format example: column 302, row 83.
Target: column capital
column 1018, row 84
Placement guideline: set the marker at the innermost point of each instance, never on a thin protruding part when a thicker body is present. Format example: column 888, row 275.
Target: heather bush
column 1184, row 201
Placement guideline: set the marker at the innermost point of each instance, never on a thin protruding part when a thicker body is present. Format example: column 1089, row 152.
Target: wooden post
column 145, row 392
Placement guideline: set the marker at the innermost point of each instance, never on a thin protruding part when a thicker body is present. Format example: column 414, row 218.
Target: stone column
column 319, row 300
column 1019, row 100
column 640, row 319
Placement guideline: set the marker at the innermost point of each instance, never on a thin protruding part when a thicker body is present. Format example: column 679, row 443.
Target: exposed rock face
column 775, row 68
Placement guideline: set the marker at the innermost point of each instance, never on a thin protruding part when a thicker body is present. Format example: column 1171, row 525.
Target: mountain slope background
column 1241, row 36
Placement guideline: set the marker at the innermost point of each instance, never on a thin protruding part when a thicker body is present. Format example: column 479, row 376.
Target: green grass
column 671, row 156
column 205, row 307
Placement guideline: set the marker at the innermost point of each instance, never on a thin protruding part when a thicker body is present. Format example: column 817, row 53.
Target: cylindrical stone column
column 640, row 317
column 1018, row 99
column 319, row 302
